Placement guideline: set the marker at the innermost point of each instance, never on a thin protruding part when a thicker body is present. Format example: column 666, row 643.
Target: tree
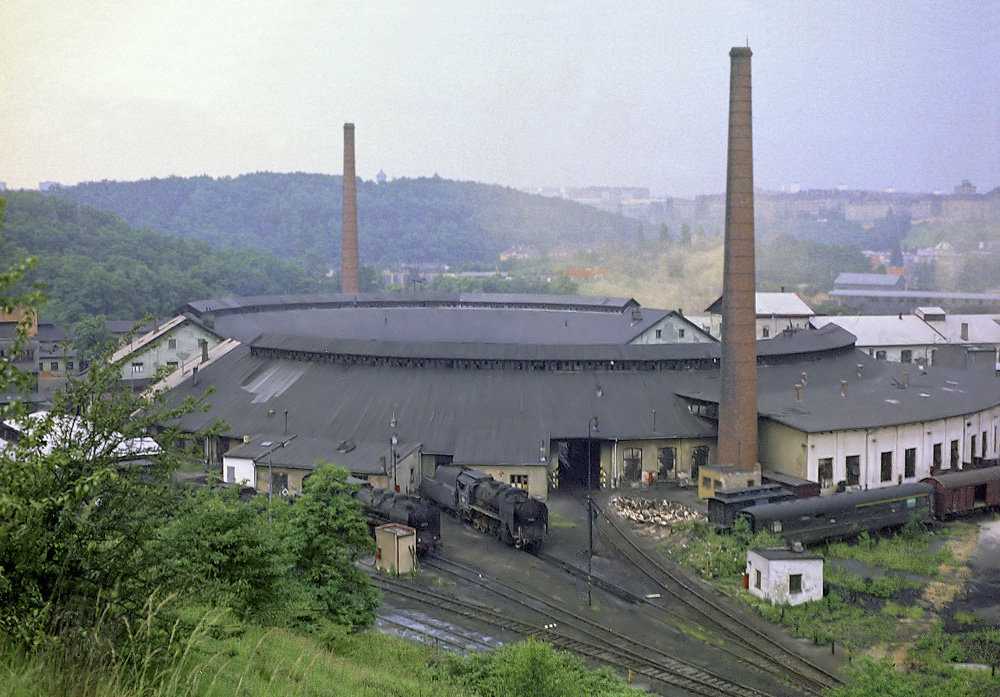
column 20, row 302
column 91, row 338
column 220, row 550
column 328, row 533
column 82, row 491
column 685, row 234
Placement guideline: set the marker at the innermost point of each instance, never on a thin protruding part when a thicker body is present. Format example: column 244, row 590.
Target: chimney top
column 740, row 51
column 348, row 126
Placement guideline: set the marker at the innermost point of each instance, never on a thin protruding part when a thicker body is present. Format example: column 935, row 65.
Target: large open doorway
column 573, row 464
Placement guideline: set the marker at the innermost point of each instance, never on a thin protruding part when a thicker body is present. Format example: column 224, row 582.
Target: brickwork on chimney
column 737, row 445
column 349, row 251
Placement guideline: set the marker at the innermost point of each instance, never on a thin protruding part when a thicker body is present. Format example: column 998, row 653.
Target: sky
column 859, row 94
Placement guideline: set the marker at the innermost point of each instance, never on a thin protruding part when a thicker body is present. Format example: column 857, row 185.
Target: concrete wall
column 143, row 363
column 243, row 470
column 783, row 449
column 774, row 575
column 613, row 455
column 789, row 451
column 538, row 480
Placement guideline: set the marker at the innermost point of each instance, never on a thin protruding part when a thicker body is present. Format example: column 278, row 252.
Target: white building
column 783, row 576
column 776, row 312
column 916, row 338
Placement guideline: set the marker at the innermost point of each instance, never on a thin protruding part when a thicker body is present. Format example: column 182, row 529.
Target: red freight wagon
column 964, row 491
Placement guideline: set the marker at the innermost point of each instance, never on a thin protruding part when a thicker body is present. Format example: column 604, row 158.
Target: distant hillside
column 298, row 216
column 93, row 263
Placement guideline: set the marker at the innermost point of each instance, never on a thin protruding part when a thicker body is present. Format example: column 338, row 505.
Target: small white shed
column 783, row 576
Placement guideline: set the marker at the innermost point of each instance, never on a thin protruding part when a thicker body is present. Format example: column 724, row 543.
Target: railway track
column 800, row 670
column 570, row 633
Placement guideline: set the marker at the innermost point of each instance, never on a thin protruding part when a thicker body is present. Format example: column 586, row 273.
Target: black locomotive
column 843, row 515
column 491, row 506
column 385, row 506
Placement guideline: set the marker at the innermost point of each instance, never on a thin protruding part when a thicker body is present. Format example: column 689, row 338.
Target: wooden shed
column 395, row 548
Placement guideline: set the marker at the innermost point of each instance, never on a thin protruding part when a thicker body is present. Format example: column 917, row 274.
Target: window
column 983, row 446
column 659, row 333
column 680, row 333
column 794, row 583
column 826, row 472
column 906, row 356
column 706, row 482
column 910, row 462
column 667, row 457
column 937, row 456
column 172, row 343
column 69, row 365
column 632, row 460
column 230, row 473
column 519, row 481
column 880, row 355
column 41, row 367
column 54, row 365
column 972, row 447
column 279, row 483
column 853, row 467
column 699, row 458
column 756, row 580
column 954, row 454
column 767, row 332
column 886, row 466
column 136, row 368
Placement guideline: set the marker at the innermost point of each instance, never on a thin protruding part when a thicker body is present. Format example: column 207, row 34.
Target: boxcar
column 843, row 515
column 964, row 491
column 723, row 507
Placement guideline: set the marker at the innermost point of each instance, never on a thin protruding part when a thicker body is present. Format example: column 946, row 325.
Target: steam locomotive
column 490, row 506
column 385, row 506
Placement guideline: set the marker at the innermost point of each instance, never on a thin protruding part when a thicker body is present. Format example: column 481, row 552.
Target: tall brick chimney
column 349, row 250
column 737, row 444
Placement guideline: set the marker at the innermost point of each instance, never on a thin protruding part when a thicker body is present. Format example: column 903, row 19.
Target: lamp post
column 591, row 429
column 392, row 451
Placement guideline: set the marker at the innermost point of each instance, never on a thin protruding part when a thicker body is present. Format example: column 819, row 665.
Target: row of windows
column 852, row 464
column 54, row 365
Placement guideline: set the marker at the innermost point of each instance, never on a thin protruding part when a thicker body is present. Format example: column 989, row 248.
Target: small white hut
column 783, row 576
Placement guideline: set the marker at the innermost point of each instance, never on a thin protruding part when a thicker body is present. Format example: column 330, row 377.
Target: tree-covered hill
column 298, row 216
column 93, row 263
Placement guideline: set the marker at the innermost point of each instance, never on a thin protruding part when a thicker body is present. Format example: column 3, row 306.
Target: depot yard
column 904, row 599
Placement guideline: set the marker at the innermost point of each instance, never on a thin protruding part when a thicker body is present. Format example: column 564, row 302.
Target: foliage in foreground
column 532, row 668
column 221, row 658
column 881, row 679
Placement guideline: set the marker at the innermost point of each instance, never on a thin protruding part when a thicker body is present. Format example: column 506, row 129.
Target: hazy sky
column 865, row 94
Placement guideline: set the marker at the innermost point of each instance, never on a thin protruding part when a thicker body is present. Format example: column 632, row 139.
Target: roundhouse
column 555, row 391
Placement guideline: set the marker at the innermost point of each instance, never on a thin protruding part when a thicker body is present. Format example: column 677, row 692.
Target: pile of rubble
column 654, row 512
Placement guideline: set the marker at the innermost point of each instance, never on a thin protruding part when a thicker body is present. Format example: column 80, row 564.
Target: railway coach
column 808, row 521
column 726, row 505
column 965, row 491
